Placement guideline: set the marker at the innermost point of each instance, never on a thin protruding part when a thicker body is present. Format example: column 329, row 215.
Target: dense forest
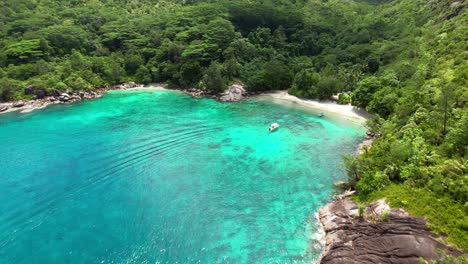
column 405, row 61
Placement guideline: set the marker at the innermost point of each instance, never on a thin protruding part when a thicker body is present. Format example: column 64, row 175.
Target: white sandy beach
column 347, row 111
column 152, row 86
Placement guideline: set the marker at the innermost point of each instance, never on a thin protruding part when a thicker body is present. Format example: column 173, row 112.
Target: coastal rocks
column 234, row 93
column 127, row 85
column 64, row 97
column 345, row 194
column 382, row 235
column 41, row 99
column 367, row 143
column 18, row 104
column 197, row 93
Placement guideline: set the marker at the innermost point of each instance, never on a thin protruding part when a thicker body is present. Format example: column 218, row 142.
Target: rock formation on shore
column 379, row 235
column 233, row 93
column 41, row 99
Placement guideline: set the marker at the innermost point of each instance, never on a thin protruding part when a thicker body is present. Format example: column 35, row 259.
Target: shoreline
column 150, row 87
column 340, row 111
column 27, row 106
column 347, row 111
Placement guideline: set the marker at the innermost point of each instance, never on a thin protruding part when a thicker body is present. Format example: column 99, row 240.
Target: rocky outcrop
column 41, row 99
column 381, row 235
column 64, row 97
column 198, row 93
column 234, row 93
column 124, row 86
column 19, row 103
column 367, row 143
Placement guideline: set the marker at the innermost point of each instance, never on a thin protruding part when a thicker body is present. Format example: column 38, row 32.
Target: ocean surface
column 160, row 177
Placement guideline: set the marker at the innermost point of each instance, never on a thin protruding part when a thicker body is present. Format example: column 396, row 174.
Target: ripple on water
column 155, row 176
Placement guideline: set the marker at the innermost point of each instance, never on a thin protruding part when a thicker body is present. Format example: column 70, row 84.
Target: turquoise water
column 159, row 177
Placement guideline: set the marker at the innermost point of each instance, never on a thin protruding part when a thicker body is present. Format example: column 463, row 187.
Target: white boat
column 273, row 127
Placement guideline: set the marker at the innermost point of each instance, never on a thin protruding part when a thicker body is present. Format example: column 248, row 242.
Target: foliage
column 351, row 164
column 26, row 50
column 343, row 99
column 447, row 259
column 305, row 84
column 362, row 208
column 261, row 75
column 9, row 89
column 143, row 75
column 384, row 217
column 365, row 89
column 214, row 81
column 177, row 41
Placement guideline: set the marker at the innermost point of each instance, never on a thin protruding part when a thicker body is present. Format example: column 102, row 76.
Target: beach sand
column 153, row 86
column 348, row 112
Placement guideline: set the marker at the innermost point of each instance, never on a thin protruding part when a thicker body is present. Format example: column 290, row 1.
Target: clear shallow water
column 153, row 176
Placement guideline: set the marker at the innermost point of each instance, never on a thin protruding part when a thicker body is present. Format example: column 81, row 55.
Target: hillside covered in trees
column 405, row 61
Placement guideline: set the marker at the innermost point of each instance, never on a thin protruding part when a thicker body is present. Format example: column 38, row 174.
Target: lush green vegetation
column 316, row 47
column 402, row 60
column 420, row 160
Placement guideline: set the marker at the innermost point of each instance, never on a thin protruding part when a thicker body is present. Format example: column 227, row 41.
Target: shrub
column 213, row 79
column 371, row 182
column 343, row 99
column 384, row 217
column 362, row 208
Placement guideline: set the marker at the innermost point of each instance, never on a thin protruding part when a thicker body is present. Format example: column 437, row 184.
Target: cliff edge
column 376, row 234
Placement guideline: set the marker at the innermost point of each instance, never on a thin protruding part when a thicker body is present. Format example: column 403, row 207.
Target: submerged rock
column 383, row 235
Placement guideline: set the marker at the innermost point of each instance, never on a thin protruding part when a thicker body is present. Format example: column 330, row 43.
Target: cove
column 160, row 177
